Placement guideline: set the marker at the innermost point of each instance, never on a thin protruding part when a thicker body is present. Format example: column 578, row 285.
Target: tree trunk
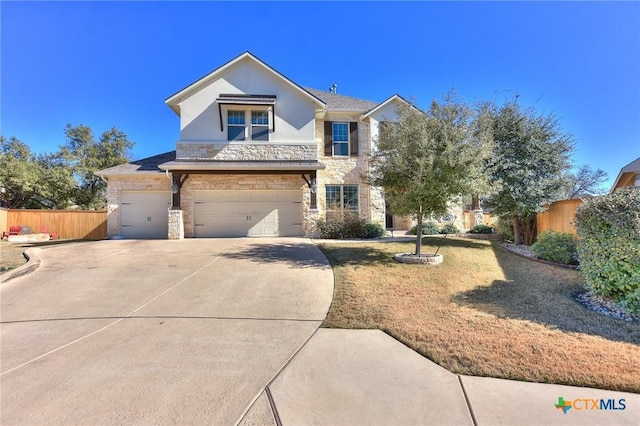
column 475, row 202
column 516, row 230
column 419, row 233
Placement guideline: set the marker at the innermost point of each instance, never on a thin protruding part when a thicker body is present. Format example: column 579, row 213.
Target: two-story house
column 258, row 155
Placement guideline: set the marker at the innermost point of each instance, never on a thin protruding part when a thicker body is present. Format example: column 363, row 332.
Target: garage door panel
column 247, row 213
column 143, row 214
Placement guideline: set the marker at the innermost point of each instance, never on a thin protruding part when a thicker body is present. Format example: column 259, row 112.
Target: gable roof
column 174, row 100
column 394, row 98
column 336, row 102
column 149, row 165
column 627, row 173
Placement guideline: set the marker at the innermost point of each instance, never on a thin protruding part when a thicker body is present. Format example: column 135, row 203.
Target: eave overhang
column 242, row 166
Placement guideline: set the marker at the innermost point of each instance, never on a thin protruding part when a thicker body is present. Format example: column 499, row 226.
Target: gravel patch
column 520, row 249
column 604, row 306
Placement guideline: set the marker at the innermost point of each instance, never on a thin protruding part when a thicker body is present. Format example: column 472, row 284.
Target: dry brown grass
column 11, row 256
column 484, row 312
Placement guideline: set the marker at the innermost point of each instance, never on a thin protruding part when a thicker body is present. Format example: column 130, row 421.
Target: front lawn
column 11, row 256
column 484, row 312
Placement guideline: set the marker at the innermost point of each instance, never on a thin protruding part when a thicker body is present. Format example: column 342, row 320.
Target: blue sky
column 107, row 64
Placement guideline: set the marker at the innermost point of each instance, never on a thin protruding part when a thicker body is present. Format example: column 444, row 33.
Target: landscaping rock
column 424, row 259
column 28, row 238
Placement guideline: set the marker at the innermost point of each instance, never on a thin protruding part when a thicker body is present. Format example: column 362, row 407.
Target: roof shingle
column 338, row 102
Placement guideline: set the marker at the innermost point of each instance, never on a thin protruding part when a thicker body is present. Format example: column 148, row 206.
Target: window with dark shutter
column 328, row 138
column 353, row 138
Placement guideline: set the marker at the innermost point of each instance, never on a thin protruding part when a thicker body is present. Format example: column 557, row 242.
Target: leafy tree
column 58, row 180
column 423, row 160
column 28, row 180
column 530, row 157
column 85, row 155
column 585, row 181
column 18, row 173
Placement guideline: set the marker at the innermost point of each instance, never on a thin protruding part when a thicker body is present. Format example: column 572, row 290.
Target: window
column 342, row 199
column 340, row 139
column 260, row 125
column 235, row 125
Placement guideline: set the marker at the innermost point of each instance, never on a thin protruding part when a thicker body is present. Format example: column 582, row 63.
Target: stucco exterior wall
column 200, row 115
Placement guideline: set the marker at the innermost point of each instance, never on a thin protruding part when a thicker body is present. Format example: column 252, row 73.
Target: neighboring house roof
column 147, row 165
column 174, row 100
column 627, row 175
column 336, row 102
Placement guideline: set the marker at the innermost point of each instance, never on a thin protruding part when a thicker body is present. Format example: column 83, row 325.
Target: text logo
column 584, row 404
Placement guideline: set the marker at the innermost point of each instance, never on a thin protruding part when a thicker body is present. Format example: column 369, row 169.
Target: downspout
column 366, row 164
column 166, row 171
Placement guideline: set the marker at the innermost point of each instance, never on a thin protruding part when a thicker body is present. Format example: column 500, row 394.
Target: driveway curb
column 33, row 263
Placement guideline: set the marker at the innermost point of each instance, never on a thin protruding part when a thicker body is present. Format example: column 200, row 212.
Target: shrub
column 373, row 230
column 504, row 227
column 349, row 227
column 631, row 302
column 449, row 228
column 556, row 247
column 428, row 228
column 481, row 229
column 609, row 244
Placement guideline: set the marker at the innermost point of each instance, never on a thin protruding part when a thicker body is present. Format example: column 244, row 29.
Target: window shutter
column 328, row 138
column 353, row 138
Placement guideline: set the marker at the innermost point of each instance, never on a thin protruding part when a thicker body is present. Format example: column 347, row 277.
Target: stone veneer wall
column 246, row 151
column 348, row 171
column 175, row 224
column 150, row 182
column 256, row 182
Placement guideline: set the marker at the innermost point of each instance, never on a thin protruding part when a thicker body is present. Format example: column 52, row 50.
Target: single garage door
column 143, row 214
column 247, row 213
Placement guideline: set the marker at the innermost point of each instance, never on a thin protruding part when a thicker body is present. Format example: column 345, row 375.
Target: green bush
column 609, row 244
column 428, row 228
column 631, row 302
column 349, row 227
column 504, row 227
column 556, row 247
column 373, row 230
column 449, row 229
column 481, row 229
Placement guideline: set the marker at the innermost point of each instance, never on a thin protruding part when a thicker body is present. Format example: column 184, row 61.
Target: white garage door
column 247, row 213
column 143, row 214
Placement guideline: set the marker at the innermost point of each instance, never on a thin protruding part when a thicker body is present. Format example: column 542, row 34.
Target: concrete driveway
column 156, row 332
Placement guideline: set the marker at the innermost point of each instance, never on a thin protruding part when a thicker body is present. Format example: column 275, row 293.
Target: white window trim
column 347, row 142
column 247, row 122
column 342, row 210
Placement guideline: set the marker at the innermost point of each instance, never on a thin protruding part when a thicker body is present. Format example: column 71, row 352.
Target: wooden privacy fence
column 4, row 226
column 559, row 217
column 71, row 224
column 468, row 219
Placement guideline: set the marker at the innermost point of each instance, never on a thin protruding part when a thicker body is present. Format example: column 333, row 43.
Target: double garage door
column 247, row 213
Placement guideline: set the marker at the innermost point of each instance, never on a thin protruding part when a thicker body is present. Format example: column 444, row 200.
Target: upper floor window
column 235, row 125
column 341, row 138
column 237, row 129
column 260, row 125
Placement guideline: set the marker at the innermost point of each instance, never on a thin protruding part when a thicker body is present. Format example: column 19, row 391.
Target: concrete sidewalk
column 358, row 377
